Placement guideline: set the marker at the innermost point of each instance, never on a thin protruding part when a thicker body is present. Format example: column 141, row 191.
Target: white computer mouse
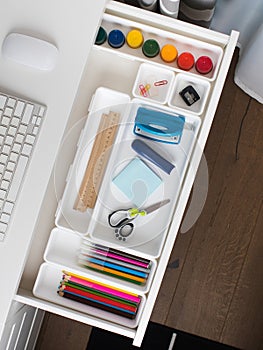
column 30, row 51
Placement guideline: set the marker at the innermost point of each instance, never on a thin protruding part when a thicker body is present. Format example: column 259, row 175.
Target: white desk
column 72, row 28
column 75, row 81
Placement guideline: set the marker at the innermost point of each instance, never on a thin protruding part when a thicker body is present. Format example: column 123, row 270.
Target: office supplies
column 97, row 162
column 204, row 64
column 116, row 38
column 158, row 125
column 168, row 53
column 189, row 95
column 69, row 276
column 134, row 38
column 147, row 152
column 122, row 219
column 83, row 300
column 91, row 252
column 21, row 121
column 105, row 263
column 101, row 36
column 150, row 48
column 30, row 51
column 160, row 82
column 102, row 267
column 120, row 255
column 97, row 298
column 137, row 181
column 185, row 61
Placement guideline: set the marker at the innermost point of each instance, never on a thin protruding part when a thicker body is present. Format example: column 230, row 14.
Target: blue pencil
column 117, row 267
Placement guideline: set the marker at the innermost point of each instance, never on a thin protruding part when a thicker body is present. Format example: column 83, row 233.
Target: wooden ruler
column 98, row 160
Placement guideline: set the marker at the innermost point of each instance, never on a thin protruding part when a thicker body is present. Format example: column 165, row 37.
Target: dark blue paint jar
column 116, row 38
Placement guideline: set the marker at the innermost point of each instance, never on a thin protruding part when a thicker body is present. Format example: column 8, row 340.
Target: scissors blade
column 156, row 206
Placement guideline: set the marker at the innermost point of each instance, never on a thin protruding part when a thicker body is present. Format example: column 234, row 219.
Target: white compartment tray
column 46, row 286
column 182, row 43
column 63, row 248
column 150, row 231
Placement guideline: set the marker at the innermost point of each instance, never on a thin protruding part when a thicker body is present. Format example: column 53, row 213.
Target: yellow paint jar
column 134, row 38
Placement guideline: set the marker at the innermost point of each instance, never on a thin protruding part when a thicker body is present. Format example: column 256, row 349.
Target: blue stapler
column 159, row 126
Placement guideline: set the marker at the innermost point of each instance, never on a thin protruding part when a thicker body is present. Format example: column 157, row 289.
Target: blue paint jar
column 116, row 38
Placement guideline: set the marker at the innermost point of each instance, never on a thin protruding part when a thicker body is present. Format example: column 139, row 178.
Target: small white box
column 201, row 86
column 153, row 83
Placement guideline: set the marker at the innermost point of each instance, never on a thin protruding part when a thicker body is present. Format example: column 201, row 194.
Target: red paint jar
column 185, row 61
column 204, row 65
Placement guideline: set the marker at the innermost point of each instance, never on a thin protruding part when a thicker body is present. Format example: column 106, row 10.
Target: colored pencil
column 116, row 267
column 112, row 275
column 99, row 293
column 121, row 255
column 82, row 300
column 100, row 286
column 98, row 298
column 114, row 272
column 90, row 252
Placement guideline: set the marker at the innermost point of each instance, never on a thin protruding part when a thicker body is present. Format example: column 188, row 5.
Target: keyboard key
column 11, row 102
column 26, row 150
column 2, row 101
column 19, row 108
column 27, row 114
column 4, row 218
column 8, row 207
column 8, row 112
column 16, row 182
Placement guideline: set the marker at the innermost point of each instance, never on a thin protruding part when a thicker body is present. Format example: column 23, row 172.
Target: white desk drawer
column 117, row 70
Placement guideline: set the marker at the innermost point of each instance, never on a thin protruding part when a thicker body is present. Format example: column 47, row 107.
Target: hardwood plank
column 244, row 322
column 223, row 232
column 61, row 333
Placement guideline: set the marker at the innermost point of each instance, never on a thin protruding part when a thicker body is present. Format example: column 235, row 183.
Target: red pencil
column 98, row 298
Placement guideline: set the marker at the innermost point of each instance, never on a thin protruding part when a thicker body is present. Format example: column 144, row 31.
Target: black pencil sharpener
column 189, row 95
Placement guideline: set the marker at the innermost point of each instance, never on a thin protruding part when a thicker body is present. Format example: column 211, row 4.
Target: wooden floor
column 217, row 290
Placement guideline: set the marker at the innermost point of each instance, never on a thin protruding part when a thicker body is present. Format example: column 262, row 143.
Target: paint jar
column 116, row 38
column 150, row 48
column 134, row 38
column 101, row 36
column 185, row 61
column 204, row 65
column 168, row 53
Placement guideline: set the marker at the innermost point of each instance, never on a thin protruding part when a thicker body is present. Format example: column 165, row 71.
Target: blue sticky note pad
column 137, row 181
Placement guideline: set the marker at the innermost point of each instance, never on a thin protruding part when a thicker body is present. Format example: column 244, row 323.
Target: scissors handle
column 124, row 231
column 120, row 217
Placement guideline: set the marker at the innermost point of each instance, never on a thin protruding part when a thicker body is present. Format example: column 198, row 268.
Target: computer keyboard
column 20, row 122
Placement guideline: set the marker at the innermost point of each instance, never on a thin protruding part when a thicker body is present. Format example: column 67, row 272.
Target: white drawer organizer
column 110, row 83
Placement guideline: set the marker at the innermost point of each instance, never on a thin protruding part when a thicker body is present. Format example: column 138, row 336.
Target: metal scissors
column 122, row 219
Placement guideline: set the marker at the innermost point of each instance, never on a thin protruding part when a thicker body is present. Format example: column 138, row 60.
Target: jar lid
column 185, row 61
column 101, row 36
column 204, row 64
column 116, row 38
column 150, row 48
column 134, row 38
column 168, row 53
